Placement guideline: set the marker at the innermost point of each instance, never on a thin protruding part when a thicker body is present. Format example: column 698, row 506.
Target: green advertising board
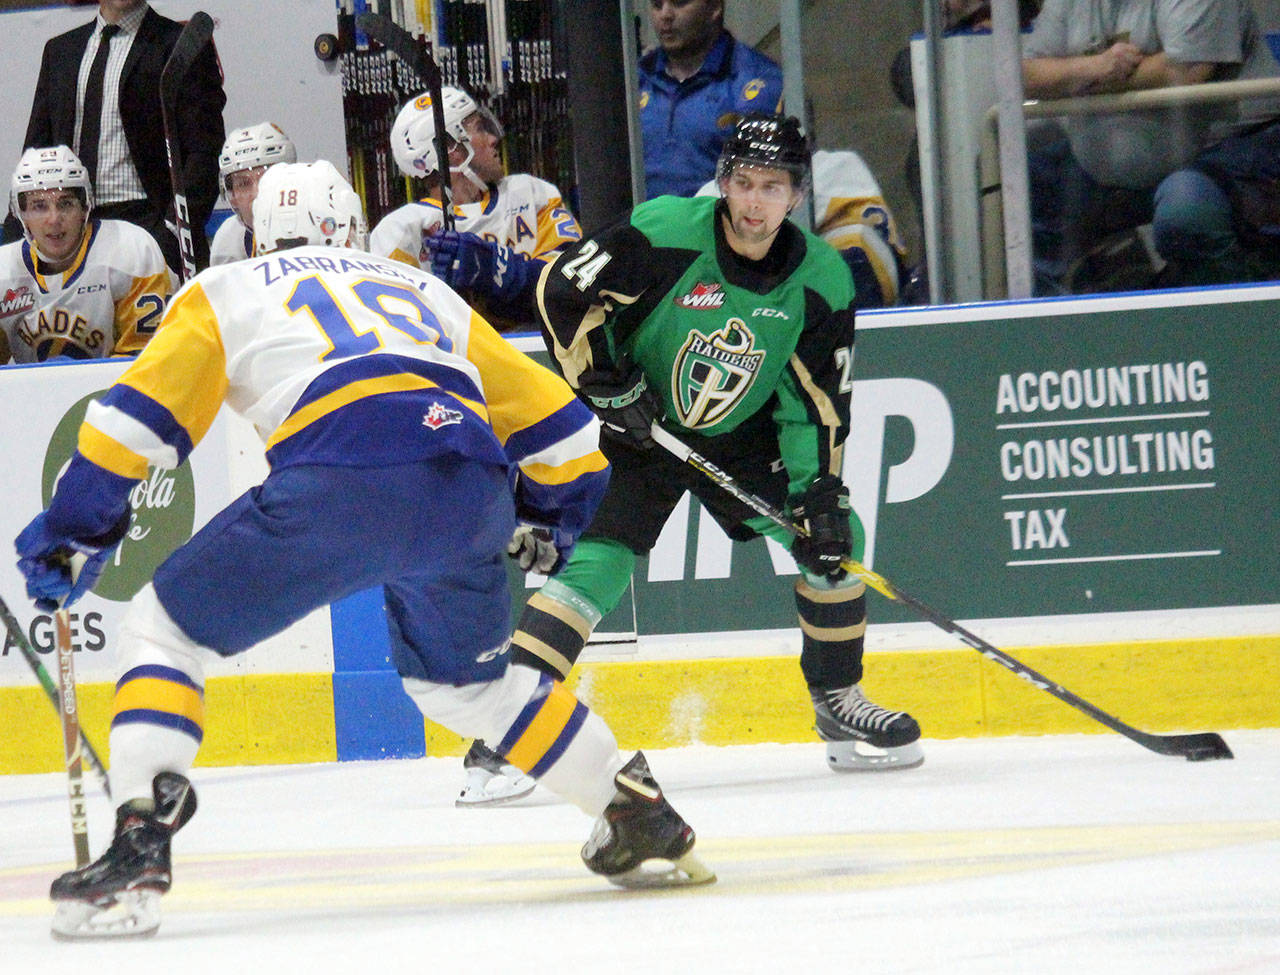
column 1038, row 459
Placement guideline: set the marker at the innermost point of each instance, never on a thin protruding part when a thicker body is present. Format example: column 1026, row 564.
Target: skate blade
column 133, row 914
column 686, row 871
column 484, row 788
column 858, row 756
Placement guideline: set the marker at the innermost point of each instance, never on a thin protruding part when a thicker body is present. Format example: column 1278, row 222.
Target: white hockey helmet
column 414, row 131
column 54, row 168
column 254, row 145
column 306, row 203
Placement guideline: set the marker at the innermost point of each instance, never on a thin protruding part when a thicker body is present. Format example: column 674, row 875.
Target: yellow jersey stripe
column 544, row 730
column 158, row 694
column 350, row 393
column 108, row 452
column 184, row 366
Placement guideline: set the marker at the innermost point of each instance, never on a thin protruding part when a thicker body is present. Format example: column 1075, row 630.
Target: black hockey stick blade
column 1198, row 747
column 414, row 54
column 197, row 32
column 50, row 689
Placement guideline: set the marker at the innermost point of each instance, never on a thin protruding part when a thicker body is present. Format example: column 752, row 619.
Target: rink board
column 1073, row 462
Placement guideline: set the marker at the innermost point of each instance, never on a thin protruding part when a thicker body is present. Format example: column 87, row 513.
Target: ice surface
column 1036, row 855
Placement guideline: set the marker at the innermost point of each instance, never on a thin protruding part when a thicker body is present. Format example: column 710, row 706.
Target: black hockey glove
column 625, row 404
column 822, row 512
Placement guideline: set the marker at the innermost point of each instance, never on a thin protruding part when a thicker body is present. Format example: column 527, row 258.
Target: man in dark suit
column 131, row 175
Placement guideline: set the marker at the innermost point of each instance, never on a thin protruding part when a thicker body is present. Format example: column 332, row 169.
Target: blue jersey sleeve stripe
column 153, row 415
column 563, row 423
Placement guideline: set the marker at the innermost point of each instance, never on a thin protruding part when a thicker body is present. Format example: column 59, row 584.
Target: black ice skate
column 118, row 894
column 639, row 840
column 491, row 779
column 862, row 736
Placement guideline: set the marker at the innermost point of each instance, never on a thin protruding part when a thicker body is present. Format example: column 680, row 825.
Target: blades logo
column 17, row 300
column 440, row 416
column 702, row 296
column 713, row 373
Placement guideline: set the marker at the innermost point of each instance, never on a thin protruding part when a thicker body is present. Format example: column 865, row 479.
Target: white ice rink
column 1067, row 854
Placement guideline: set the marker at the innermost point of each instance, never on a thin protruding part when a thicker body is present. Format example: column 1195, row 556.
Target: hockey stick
column 71, row 736
column 33, row 659
column 195, row 35
column 413, row 53
column 1197, row 747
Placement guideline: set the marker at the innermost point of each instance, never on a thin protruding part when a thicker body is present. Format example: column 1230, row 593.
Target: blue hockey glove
column 45, row 560
column 625, row 404
column 469, row 262
column 540, row 548
column 822, row 511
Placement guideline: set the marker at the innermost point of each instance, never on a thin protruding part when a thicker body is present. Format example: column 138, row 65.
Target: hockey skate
column 639, row 841
column 491, row 780
column 118, row 895
column 862, row 736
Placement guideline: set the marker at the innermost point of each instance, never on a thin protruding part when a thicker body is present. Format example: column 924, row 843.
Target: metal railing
column 994, row 255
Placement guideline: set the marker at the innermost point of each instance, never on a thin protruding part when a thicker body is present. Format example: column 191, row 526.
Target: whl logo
column 162, row 518
column 438, row 416
column 702, row 296
column 713, row 373
column 17, row 300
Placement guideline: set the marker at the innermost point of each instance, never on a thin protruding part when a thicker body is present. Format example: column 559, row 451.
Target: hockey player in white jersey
column 850, row 214
column 75, row 287
column 244, row 158
column 396, row 421
column 507, row 227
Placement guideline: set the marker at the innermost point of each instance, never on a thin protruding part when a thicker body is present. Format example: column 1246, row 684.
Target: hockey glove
column 626, row 406
column 822, row 513
column 45, row 556
column 469, row 262
column 540, row 548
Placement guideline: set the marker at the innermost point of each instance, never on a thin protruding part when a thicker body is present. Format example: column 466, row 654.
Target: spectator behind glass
column 131, row 175
column 77, row 287
column 693, row 87
column 1217, row 221
column 1096, row 176
column 958, row 17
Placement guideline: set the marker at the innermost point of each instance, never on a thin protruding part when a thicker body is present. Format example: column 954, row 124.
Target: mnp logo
column 162, row 519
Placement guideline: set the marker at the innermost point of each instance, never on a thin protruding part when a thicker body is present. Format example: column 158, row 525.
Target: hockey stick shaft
column 1194, row 747
column 413, row 53
column 71, row 735
column 197, row 32
column 50, row 688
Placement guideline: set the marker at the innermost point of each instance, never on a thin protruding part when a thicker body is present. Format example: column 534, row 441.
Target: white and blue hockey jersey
column 108, row 302
column 340, row 357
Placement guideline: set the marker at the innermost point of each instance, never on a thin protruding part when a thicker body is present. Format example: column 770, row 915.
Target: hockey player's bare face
column 759, row 199
column 55, row 219
column 242, row 190
column 487, row 161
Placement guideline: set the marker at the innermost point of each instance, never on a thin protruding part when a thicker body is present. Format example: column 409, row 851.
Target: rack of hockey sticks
column 500, row 51
column 1197, row 747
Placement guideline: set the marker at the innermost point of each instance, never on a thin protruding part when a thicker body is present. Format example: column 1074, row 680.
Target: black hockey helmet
column 767, row 140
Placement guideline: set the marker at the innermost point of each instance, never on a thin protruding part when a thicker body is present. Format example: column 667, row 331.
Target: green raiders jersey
column 723, row 340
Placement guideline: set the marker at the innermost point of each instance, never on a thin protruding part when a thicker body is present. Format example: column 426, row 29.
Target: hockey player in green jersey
column 735, row 328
